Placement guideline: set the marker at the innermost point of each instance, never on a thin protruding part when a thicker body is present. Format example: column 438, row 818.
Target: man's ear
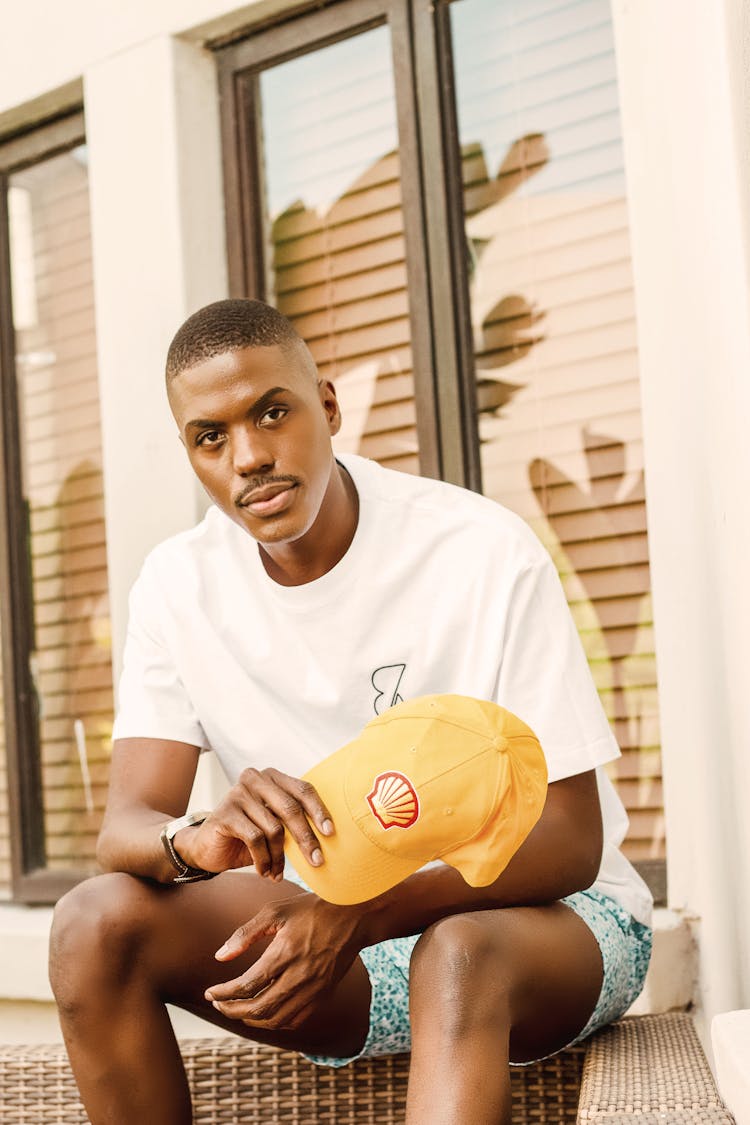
column 330, row 404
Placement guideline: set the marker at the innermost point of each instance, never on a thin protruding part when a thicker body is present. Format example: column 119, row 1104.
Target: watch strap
column 185, row 873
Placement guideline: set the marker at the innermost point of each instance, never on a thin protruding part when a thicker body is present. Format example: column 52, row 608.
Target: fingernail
column 208, row 996
column 316, row 858
column 327, row 828
column 221, row 952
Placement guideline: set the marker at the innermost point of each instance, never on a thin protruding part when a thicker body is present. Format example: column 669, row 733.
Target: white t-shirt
column 441, row 590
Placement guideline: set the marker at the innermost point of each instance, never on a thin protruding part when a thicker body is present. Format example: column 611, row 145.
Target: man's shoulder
column 193, row 546
column 421, row 503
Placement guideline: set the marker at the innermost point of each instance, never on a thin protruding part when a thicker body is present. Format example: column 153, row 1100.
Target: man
column 317, row 593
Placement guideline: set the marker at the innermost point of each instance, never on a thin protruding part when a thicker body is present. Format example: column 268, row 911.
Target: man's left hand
column 313, row 944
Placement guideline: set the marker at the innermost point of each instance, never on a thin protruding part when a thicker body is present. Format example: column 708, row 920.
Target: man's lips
column 268, row 499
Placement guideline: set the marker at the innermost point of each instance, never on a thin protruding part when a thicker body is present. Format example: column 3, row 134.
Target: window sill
column 24, row 939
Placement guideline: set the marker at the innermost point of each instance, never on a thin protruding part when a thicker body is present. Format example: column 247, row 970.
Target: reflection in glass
column 334, row 230
column 62, row 487
column 555, row 340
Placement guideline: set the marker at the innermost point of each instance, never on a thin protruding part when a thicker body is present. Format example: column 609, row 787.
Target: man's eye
column 209, row 437
column 274, row 414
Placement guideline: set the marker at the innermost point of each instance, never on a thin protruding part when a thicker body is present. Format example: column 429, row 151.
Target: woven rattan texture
column 650, row 1070
column 238, row 1082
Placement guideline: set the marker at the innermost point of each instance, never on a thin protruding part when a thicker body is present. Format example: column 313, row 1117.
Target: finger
column 263, row 924
column 244, row 826
column 316, row 810
column 279, row 996
column 288, row 1012
column 289, row 1019
column 242, row 988
column 263, row 976
column 271, row 852
column 283, row 802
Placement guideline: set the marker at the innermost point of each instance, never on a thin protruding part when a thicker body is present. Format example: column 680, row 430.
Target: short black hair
column 226, row 326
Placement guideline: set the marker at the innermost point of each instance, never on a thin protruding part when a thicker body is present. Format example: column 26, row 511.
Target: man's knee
column 97, row 931
column 458, row 969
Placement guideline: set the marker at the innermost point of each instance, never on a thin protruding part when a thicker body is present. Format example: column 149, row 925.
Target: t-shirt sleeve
column 152, row 700
column 545, row 678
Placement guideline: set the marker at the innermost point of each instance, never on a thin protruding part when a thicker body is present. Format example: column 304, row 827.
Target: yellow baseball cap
column 439, row 777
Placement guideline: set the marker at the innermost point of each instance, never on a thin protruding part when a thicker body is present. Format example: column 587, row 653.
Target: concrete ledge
column 672, row 976
column 24, row 939
column 730, row 1037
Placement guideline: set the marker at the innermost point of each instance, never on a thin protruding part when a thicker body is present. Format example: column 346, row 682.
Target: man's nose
column 250, row 452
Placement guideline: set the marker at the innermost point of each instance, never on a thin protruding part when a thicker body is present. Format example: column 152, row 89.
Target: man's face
column 257, row 428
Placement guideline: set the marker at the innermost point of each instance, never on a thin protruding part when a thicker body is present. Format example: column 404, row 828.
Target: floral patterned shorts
column 625, row 947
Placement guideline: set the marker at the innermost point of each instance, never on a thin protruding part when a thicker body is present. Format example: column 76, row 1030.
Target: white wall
column 687, row 186
column 158, row 248
column 46, row 45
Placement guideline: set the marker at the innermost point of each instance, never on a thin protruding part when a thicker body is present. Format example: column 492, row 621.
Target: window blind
column 335, row 234
column 555, row 338
column 62, row 484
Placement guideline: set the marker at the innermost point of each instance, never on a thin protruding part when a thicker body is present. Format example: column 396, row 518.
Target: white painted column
column 690, row 257
column 152, row 123
column 158, row 243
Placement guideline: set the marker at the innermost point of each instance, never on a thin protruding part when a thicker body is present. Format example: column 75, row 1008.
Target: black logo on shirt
column 386, row 681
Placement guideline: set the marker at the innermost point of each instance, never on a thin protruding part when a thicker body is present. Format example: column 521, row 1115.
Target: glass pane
column 555, row 337
column 334, row 230
column 62, row 486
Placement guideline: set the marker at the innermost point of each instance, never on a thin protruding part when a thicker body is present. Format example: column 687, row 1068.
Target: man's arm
column 150, row 784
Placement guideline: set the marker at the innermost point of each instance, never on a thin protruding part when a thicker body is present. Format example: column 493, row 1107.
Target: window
column 57, row 675
column 449, row 233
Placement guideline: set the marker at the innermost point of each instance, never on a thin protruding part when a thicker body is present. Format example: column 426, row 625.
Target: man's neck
column 327, row 541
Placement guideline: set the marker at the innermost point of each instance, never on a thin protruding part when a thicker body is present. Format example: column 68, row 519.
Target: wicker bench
column 649, row 1069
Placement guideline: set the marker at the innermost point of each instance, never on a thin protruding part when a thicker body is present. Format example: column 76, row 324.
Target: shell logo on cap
column 393, row 800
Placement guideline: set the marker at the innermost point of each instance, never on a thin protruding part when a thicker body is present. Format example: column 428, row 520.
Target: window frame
column 444, row 387
column 31, row 881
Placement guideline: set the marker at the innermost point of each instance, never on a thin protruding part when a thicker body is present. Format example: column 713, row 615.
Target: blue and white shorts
column 625, row 947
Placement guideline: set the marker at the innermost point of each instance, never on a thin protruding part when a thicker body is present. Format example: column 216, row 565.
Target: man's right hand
column 247, row 827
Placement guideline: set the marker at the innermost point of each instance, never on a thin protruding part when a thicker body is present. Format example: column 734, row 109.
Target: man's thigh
column 182, row 927
column 566, row 968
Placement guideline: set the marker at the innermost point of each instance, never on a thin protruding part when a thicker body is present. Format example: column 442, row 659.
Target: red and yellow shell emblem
column 393, row 800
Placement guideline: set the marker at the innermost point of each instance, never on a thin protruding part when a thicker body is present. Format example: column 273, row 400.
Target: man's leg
column 122, row 948
column 486, row 988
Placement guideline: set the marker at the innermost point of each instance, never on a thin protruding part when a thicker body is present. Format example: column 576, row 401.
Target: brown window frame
column 31, row 881
column 441, row 340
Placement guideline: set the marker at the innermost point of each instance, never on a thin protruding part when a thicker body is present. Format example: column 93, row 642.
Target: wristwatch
column 185, row 873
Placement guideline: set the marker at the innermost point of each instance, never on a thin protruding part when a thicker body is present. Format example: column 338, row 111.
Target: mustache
column 261, row 482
